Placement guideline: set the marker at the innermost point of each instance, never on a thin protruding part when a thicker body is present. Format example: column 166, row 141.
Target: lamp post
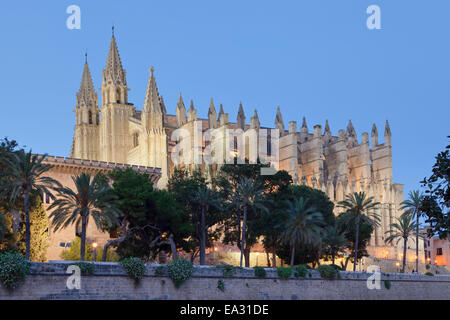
column 95, row 245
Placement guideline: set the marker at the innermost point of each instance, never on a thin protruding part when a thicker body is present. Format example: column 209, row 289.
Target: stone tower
column 87, row 114
column 114, row 132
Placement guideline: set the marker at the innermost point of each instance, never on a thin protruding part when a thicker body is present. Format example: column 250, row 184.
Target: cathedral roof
column 152, row 102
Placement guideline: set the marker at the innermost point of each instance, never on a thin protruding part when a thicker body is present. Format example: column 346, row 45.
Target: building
column 437, row 251
column 117, row 132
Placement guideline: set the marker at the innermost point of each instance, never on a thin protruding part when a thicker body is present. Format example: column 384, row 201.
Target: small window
column 90, row 117
column 439, row 251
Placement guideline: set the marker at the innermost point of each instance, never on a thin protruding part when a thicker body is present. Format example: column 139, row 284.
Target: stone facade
column 48, row 282
column 336, row 164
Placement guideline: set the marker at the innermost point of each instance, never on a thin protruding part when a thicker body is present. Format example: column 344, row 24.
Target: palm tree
column 206, row 198
column 334, row 240
column 358, row 204
column 404, row 229
column 24, row 173
column 247, row 193
column 412, row 206
column 303, row 224
column 89, row 199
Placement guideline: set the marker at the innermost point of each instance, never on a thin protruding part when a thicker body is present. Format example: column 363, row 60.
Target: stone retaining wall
column 48, row 281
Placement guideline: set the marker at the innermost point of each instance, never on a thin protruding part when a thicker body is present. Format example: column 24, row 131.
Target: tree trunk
column 292, row 254
column 247, row 257
column 356, row 243
column 268, row 257
column 27, row 225
column 83, row 235
column 332, row 257
column 405, row 243
column 417, row 242
column 203, row 238
column 116, row 241
column 244, row 227
column 173, row 247
column 274, row 257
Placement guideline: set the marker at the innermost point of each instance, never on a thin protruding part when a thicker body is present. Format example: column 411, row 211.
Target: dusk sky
column 312, row 58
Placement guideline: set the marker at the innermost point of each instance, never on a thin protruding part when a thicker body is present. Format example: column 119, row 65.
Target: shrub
column 327, row 272
column 429, row 274
column 427, row 266
column 336, row 267
column 180, row 270
column 260, row 272
column 300, row 271
column 160, row 270
column 387, row 284
column 221, row 285
column 228, row 270
column 134, row 267
column 284, row 273
column 86, row 269
column 13, row 269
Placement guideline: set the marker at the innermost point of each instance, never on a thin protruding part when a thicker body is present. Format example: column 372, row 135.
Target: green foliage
column 228, row 270
column 39, row 231
column 160, row 270
column 260, row 272
column 13, row 269
column 73, row 252
column 327, row 272
column 284, row 273
column 300, row 271
column 134, row 267
column 221, row 285
column 427, row 266
column 86, row 269
column 429, row 273
column 180, row 270
column 436, row 203
column 387, row 284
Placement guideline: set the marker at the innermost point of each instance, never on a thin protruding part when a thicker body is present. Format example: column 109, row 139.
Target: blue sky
column 312, row 58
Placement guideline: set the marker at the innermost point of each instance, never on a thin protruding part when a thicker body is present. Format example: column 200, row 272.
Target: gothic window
column 135, row 140
column 107, row 96
column 98, row 119
column 118, row 95
column 90, row 117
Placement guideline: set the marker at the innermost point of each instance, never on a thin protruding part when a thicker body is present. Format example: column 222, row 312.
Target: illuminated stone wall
column 48, row 281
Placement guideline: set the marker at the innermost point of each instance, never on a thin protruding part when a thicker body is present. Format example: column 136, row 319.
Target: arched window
column 90, row 117
column 118, row 95
column 98, row 119
column 135, row 140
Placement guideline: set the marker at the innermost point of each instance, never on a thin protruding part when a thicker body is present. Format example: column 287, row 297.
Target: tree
column 189, row 191
column 89, row 199
column 206, row 198
column 436, row 202
column 358, row 204
column 303, row 225
column 247, row 194
column 39, row 226
column 402, row 230
column 334, row 241
column 412, row 207
column 25, row 174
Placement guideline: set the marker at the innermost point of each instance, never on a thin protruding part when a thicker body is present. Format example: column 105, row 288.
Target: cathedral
column 338, row 164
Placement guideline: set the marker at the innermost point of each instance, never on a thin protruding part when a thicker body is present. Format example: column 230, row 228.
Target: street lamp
column 95, row 245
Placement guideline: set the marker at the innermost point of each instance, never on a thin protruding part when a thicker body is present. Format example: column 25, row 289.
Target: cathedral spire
column 86, row 96
column 180, row 112
column 304, row 127
column 212, row 115
column 279, row 124
column 114, row 71
column 351, row 130
column 374, row 135
column 387, row 134
column 240, row 117
column 151, row 103
column 192, row 113
column 254, row 121
column 327, row 127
